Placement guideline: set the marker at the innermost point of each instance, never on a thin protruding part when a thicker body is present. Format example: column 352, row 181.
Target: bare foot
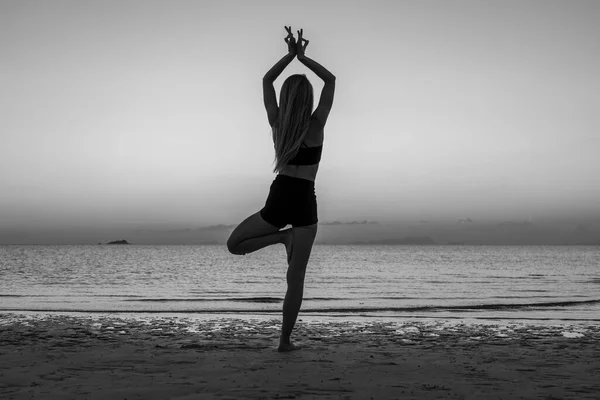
column 285, row 347
column 289, row 243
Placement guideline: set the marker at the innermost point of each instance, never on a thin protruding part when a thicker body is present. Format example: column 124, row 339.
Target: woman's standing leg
column 303, row 238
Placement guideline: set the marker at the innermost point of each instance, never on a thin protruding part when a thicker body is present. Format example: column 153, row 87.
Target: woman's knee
column 295, row 275
column 232, row 246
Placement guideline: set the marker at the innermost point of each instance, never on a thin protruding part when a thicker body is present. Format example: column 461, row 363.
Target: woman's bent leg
column 253, row 234
column 303, row 239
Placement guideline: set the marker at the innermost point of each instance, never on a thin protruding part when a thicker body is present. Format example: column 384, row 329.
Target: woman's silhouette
column 298, row 141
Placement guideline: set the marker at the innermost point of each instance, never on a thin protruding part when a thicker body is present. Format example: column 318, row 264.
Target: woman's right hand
column 300, row 46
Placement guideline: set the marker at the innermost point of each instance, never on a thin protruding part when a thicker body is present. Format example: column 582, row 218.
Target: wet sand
column 106, row 357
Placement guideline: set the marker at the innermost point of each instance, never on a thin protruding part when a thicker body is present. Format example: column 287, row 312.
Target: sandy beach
column 106, row 357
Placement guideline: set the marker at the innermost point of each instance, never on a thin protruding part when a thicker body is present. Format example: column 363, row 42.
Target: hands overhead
column 295, row 48
column 298, row 48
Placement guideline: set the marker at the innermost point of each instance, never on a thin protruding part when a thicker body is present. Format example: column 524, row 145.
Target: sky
column 150, row 113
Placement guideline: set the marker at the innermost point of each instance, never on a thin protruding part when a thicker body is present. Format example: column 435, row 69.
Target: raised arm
column 268, row 90
column 278, row 68
column 326, row 101
column 317, row 68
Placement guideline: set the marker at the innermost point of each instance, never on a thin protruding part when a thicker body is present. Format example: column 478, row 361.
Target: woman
column 298, row 141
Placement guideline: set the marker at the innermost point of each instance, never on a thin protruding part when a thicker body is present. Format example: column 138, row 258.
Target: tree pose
column 298, row 141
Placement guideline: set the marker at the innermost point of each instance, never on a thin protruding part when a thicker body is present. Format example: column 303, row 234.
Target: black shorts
column 290, row 201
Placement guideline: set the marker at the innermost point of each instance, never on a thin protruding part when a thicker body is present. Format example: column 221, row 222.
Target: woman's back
column 314, row 138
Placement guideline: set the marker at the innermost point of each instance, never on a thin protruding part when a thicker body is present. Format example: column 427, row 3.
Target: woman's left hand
column 291, row 42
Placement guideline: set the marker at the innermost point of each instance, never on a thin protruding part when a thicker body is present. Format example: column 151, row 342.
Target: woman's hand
column 291, row 42
column 301, row 47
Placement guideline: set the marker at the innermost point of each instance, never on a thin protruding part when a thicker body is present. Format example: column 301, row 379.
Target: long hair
column 291, row 125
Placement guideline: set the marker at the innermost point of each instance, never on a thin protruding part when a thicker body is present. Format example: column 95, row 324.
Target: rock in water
column 123, row 241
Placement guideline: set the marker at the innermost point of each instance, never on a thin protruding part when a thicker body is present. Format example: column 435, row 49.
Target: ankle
column 284, row 339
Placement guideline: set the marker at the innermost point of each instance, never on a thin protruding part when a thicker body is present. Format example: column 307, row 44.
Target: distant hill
column 421, row 240
column 123, row 241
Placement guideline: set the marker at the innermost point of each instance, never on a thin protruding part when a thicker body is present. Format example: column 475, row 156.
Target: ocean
column 499, row 283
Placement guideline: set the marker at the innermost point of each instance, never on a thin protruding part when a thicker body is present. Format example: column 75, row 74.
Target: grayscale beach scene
column 360, row 199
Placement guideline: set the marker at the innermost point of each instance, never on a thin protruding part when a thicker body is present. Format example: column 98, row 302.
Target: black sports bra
column 307, row 155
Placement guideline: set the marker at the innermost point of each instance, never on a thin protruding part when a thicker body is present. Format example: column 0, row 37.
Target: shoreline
column 106, row 356
column 96, row 322
column 305, row 316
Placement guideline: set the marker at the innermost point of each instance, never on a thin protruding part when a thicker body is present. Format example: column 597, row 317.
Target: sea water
column 504, row 283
